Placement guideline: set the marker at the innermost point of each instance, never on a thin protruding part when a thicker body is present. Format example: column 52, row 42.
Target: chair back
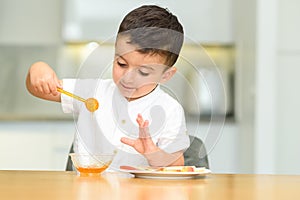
column 196, row 154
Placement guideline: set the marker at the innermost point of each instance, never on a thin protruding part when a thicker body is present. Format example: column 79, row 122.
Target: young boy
column 147, row 46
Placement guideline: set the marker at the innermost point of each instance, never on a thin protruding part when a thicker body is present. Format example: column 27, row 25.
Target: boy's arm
column 161, row 158
column 42, row 82
column 157, row 157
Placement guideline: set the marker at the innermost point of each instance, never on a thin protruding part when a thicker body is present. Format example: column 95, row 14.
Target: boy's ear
column 168, row 74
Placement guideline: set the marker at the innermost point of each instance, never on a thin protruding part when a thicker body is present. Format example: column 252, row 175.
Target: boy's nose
column 129, row 76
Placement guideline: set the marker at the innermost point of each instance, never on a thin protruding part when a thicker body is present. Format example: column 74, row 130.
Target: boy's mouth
column 126, row 87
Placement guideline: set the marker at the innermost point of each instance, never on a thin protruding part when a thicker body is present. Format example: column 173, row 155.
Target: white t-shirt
column 100, row 132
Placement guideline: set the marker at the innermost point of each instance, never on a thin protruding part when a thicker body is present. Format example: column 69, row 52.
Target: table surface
column 67, row 185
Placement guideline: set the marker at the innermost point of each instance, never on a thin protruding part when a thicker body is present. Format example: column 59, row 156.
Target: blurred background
column 253, row 45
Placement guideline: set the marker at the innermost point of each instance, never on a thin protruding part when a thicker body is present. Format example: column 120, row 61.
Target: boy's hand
column 143, row 144
column 43, row 82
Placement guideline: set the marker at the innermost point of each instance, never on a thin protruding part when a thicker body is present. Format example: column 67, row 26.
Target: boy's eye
column 143, row 73
column 121, row 64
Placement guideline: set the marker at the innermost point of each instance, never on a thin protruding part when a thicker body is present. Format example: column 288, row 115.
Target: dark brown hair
column 154, row 30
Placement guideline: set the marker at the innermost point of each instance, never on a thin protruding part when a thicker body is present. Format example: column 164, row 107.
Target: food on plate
column 170, row 169
column 181, row 169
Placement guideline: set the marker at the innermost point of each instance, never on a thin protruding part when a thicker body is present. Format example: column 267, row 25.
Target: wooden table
column 45, row 185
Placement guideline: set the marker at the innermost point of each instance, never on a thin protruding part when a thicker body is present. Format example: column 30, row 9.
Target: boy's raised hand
column 42, row 81
column 143, row 144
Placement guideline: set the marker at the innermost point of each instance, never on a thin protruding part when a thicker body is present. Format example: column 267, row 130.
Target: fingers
column 47, row 85
column 146, row 124
column 141, row 122
column 143, row 144
column 143, row 127
column 53, row 87
column 43, row 79
column 128, row 141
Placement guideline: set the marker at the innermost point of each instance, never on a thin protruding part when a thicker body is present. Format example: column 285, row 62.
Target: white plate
column 167, row 175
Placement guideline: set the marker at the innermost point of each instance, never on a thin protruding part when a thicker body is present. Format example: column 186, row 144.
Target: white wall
column 288, row 92
column 245, row 16
column 267, row 79
column 30, row 22
column 203, row 21
column 265, row 87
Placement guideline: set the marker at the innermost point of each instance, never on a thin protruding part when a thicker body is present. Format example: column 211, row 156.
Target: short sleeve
column 174, row 137
column 67, row 102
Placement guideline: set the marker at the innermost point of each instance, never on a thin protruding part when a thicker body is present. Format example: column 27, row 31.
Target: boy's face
column 137, row 74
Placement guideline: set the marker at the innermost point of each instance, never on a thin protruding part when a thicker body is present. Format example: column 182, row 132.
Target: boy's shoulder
column 168, row 101
column 106, row 82
column 106, row 85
